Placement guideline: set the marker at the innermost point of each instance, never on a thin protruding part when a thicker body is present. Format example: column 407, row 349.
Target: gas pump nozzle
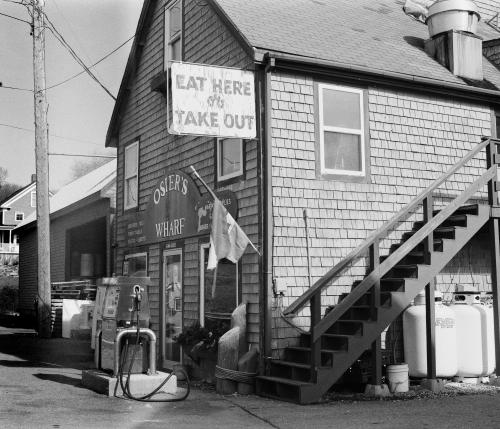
column 137, row 297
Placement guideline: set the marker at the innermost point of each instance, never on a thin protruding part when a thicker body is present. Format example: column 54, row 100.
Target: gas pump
column 124, row 315
column 124, row 344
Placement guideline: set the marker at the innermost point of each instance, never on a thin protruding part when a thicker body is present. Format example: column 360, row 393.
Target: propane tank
column 487, row 336
column 415, row 342
column 469, row 341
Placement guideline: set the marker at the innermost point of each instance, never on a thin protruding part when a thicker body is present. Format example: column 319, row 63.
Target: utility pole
column 42, row 171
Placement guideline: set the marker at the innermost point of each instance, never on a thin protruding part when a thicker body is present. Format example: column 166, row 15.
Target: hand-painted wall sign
column 205, row 205
column 176, row 209
column 171, row 213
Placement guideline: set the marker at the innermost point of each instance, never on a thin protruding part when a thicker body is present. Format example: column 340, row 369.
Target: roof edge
column 135, row 51
column 294, row 62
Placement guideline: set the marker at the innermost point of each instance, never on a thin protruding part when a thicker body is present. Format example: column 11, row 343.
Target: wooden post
column 42, row 171
column 376, row 357
column 315, row 346
column 430, row 313
column 491, row 151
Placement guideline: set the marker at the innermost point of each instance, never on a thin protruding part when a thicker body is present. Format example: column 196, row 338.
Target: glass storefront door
column 172, row 306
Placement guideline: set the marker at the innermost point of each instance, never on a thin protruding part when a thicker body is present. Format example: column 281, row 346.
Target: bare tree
column 81, row 167
column 6, row 188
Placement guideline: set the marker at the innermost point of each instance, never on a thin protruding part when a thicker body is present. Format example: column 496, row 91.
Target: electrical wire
column 82, row 155
column 51, row 135
column 60, row 38
column 93, row 65
column 17, row 19
column 15, row 88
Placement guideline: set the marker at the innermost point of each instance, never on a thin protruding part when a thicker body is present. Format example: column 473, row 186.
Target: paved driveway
column 40, row 388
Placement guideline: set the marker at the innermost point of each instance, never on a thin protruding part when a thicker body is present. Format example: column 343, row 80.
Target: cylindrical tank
column 87, row 265
column 487, row 337
column 446, row 15
column 469, row 341
column 415, row 342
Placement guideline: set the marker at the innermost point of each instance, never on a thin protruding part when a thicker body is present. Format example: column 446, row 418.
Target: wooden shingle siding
column 413, row 140
column 144, row 117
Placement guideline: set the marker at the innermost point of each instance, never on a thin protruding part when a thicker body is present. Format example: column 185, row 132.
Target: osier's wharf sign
column 212, row 101
column 176, row 209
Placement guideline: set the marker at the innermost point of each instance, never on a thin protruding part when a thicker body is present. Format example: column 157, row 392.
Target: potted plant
column 200, row 343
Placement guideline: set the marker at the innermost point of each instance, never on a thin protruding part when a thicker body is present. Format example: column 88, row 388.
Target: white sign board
column 212, row 101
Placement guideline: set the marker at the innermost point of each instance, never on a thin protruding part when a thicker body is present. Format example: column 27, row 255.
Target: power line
column 75, row 75
column 52, row 135
column 93, row 65
column 82, row 155
column 17, row 19
column 61, row 40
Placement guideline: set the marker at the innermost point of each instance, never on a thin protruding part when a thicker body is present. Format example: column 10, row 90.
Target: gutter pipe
column 268, row 213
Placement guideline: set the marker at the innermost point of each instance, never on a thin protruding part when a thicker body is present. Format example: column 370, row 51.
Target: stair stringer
column 326, row 377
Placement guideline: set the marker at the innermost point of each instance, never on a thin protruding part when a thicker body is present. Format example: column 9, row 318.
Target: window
column 229, row 158
column 19, row 216
column 130, row 176
column 173, row 32
column 136, row 265
column 33, row 198
column 341, row 129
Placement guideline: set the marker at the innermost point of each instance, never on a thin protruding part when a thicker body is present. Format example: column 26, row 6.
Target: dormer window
column 173, row 32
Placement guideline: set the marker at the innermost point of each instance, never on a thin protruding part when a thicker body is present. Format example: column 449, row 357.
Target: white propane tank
column 487, row 337
column 415, row 343
column 469, row 341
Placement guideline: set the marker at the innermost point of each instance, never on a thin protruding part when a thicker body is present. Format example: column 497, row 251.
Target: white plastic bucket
column 397, row 378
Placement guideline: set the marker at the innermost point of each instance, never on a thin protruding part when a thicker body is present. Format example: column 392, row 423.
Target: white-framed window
column 229, row 158
column 19, row 216
column 131, row 181
column 136, row 265
column 33, row 199
column 173, row 32
column 342, row 130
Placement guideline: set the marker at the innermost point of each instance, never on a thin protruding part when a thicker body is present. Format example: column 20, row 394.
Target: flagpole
column 193, row 170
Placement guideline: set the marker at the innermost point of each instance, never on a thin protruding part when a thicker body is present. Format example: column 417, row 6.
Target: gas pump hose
column 149, row 396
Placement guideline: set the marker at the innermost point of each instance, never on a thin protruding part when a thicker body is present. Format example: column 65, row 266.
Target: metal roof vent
column 452, row 26
column 446, row 15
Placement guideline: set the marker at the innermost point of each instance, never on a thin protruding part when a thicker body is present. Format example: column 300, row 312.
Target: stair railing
column 312, row 296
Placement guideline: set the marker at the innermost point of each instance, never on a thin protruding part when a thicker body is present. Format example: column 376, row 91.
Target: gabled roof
column 372, row 37
column 17, row 194
column 94, row 184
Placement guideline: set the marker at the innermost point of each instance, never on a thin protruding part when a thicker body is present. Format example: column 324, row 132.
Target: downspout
column 268, row 211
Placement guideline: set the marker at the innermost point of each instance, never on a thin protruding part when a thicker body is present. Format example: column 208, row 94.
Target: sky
column 79, row 110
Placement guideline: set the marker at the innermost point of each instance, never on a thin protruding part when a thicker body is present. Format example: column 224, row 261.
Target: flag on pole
column 227, row 239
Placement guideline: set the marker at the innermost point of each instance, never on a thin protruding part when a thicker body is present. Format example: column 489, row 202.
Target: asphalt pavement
column 40, row 387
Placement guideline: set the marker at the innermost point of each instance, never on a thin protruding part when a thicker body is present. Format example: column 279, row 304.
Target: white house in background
column 13, row 210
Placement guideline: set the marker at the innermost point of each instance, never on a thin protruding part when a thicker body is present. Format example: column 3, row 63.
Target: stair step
column 438, row 246
column 281, row 388
column 302, row 355
column 455, row 220
column 385, row 299
column 440, row 232
column 392, row 284
column 465, row 209
column 347, row 327
column 329, row 342
column 403, row 271
column 290, row 370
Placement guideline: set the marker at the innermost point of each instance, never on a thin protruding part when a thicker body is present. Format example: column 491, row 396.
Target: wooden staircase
column 354, row 325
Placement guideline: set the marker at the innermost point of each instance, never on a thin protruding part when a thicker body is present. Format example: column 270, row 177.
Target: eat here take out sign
column 212, row 101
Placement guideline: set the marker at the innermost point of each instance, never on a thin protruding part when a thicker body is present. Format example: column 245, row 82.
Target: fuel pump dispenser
column 124, row 344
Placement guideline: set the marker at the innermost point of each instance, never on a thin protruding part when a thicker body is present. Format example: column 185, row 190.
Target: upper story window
column 173, row 32
column 19, row 216
column 33, row 198
column 342, row 130
column 130, row 177
column 229, row 158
